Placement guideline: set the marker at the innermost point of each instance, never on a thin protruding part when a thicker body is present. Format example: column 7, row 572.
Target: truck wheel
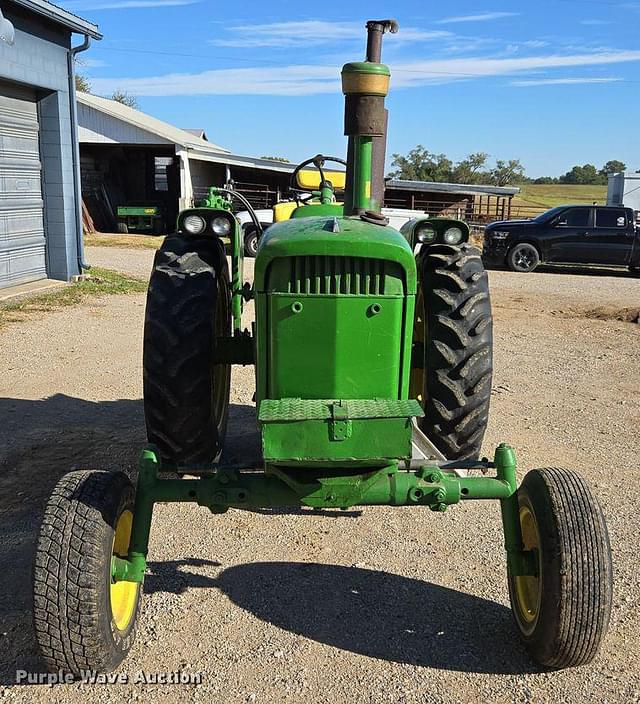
column 123, row 228
column 455, row 326
column 186, row 395
column 251, row 242
column 83, row 621
column 523, row 258
column 563, row 612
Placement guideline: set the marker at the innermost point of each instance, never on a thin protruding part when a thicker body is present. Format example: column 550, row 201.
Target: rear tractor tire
column 562, row 614
column 455, row 327
column 186, row 394
column 83, row 621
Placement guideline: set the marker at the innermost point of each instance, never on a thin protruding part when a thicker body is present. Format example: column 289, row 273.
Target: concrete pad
column 30, row 289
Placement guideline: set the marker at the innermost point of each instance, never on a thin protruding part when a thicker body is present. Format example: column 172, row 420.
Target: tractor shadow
column 40, row 441
column 376, row 614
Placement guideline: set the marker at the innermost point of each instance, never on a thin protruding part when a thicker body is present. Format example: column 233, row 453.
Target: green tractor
column 373, row 359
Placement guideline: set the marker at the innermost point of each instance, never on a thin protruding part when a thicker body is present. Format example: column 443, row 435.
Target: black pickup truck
column 568, row 234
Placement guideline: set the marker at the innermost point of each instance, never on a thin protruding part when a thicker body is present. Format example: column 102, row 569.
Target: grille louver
column 355, row 276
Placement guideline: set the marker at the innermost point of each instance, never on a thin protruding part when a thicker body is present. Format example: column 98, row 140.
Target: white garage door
column 22, row 241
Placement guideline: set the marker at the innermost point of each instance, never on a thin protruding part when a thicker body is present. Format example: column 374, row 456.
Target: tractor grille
column 355, row 276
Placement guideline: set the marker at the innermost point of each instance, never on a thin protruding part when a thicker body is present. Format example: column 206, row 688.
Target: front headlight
column 425, row 234
column 498, row 235
column 194, row 224
column 453, row 235
column 221, row 226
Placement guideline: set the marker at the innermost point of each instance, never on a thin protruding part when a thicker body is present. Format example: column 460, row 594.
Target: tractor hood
column 334, row 237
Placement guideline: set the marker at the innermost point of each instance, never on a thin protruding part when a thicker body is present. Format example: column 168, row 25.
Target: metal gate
column 22, row 240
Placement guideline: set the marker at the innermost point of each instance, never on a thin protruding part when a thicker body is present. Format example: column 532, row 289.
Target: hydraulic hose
column 248, row 206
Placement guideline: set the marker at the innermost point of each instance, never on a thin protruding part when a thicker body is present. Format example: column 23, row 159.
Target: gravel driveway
column 379, row 605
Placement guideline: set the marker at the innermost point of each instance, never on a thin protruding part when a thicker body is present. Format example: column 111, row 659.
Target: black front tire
column 251, row 242
column 186, row 395
column 458, row 349
column 523, row 258
column 563, row 614
column 75, row 624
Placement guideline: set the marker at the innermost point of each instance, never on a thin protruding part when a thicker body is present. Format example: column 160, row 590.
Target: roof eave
column 61, row 16
column 454, row 188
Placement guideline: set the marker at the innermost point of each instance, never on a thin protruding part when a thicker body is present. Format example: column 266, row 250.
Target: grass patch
column 101, row 282
column 123, row 241
column 545, row 197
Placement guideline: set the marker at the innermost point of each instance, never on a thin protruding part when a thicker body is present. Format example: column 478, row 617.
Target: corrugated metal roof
column 248, row 161
column 61, row 16
column 143, row 121
column 455, row 188
column 197, row 131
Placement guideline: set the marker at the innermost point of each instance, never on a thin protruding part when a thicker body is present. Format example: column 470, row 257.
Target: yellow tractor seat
column 309, row 179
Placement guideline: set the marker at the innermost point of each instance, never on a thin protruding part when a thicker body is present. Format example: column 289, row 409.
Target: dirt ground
column 379, row 605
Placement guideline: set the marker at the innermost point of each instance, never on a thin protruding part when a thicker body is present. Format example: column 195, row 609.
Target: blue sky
column 553, row 83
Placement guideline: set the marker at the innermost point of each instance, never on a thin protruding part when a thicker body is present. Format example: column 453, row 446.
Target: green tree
column 506, row 172
column 121, row 96
column 612, row 167
column 471, row 169
column 82, row 84
column 422, row 165
column 582, row 175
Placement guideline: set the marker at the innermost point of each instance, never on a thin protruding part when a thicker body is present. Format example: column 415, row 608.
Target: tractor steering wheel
column 318, row 161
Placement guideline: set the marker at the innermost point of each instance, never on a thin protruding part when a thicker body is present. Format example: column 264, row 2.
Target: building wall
column 95, row 127
column 204, row 174
column 39, row 58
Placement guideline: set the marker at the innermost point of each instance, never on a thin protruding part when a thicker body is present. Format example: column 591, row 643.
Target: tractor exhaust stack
column 365, row 85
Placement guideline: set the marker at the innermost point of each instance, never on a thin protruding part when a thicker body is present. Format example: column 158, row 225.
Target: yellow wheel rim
column 123, row 596
column 528, row 588
column 416, row 381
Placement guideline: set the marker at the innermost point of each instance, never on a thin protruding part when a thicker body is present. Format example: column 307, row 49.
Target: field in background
column 534, row 196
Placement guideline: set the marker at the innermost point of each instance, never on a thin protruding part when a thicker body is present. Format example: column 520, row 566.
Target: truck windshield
column 550, row 214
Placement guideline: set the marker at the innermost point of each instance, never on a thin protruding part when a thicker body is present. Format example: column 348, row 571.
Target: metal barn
column 40, row 220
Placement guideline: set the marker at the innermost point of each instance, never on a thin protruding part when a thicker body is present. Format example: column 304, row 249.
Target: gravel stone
column 375, row 605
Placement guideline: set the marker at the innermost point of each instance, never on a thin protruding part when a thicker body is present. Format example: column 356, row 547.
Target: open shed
column 130, row 158
column 474, row 203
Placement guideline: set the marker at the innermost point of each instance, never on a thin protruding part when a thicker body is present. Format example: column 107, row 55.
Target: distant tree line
column 587, row 175
column 422, row 165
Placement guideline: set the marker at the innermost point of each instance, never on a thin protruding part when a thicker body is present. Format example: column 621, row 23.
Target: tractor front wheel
column 83, row 620
column 186, row 394
column 562, row 612
column 454, row 327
